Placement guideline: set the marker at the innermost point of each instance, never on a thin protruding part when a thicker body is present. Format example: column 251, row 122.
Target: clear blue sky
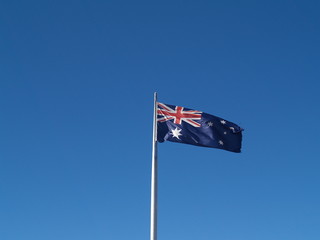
column 76, row 93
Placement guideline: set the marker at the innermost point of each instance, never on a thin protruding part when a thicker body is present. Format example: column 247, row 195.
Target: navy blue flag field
column 183, row 125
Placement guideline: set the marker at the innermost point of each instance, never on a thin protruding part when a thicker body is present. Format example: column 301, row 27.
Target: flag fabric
column 184, row 125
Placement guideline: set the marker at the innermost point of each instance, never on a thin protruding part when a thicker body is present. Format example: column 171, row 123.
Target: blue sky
column 77, row 81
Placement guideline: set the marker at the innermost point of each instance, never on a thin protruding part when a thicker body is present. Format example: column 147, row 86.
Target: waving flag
column 183, row 125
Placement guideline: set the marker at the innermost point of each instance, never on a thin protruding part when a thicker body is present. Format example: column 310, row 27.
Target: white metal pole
column 154, row 176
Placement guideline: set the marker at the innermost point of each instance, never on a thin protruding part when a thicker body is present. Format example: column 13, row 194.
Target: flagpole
column 154, row 176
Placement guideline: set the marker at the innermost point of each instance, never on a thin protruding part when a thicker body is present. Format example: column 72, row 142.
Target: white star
column 176, row 133
column 220, row 142
column 223, row 122
column 210, row 124
column 225, row 133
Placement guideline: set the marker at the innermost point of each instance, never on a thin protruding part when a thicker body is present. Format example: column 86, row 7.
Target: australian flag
column 183, row 125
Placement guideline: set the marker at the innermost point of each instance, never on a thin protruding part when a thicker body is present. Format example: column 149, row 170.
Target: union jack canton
column 183, row 125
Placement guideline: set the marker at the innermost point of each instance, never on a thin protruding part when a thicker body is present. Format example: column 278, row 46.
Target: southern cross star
column 210, row 124
column 223, row 122
column 176, row 132
column 220, row 142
